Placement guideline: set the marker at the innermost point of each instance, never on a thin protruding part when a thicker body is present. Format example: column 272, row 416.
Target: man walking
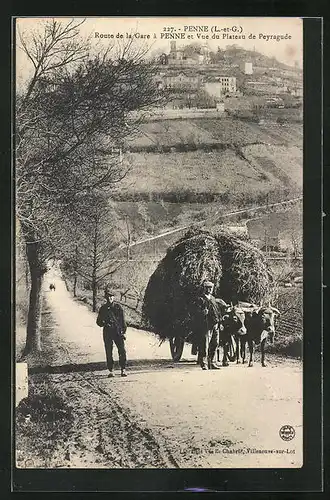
column 208, row 327
column 111, row 317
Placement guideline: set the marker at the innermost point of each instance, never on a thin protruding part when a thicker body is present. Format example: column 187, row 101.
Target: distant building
column 223, row 86
column 228, row 84
column 213, row 89
column 248, row 68
column 296, row 90
column 204, row 58
column 181, row 80
column 177, row 56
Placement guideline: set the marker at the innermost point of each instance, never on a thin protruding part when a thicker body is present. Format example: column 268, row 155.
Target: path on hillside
column 215, row 216
column 165, row 414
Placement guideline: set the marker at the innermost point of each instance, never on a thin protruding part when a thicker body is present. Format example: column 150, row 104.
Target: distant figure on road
column 52, row 287
column 208, row 327
column 111, row 317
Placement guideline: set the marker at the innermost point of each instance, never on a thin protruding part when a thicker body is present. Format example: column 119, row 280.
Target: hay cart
column 239, row 270
column 177, row 346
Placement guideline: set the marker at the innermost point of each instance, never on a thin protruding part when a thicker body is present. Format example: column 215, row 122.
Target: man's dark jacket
column 209, row 320
column 111, row 317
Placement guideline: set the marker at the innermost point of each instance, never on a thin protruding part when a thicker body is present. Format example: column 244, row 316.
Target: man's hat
column 208, row 283
column 109, row 292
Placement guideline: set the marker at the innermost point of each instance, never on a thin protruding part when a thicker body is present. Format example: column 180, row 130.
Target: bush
column 44, row 421
column 281, row 121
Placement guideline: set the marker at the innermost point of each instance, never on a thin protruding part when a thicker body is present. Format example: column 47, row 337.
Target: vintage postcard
column 159, row 260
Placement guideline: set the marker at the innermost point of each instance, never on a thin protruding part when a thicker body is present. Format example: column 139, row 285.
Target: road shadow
column 101, row 365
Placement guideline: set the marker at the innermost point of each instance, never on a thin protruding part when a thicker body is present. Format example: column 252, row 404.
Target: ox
column 260, row 325
column 234, row 325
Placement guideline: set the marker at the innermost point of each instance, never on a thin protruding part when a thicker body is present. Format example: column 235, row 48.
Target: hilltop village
column 196, row 77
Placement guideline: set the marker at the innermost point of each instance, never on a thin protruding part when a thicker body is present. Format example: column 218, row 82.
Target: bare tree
column 189, row 96
column 95, row 242
column 296, row 241
column 258, row 109
column 142, row 209
column 128, row 239
column 74, row 109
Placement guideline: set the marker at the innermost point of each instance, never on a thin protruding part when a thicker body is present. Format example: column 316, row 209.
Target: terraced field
column 209, row 155
column 261, row 169
column 223, row 130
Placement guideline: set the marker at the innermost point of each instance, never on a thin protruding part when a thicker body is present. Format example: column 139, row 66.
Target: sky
column 257, row 30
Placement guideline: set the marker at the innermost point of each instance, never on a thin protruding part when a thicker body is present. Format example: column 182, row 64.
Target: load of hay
column 238, row 269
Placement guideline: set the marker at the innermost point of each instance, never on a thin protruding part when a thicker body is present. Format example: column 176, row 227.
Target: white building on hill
column 223, row 86
column 228, row 84
column 248, row 68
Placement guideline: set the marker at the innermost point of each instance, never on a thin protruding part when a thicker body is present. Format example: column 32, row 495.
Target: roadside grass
column 290, row 345
column 43, row 423
column 289, row 328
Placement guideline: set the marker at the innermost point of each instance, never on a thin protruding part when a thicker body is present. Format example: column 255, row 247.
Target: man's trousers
column 209, row 342
column 111, row 338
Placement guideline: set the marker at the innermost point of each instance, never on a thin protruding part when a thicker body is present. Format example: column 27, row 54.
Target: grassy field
column 196, row 171
column 253, row 170
column 177, row 160
column 282, row 164
column 208, row 131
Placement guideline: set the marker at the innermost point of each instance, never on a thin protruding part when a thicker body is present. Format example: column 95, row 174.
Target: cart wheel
column 231, row 349
column 176, row 346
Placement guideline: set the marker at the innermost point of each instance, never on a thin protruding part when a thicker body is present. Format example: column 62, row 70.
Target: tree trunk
column 33, row 338
column 75, row 285
column 37, row 271
column 27, row 285
column 128, row 242
column 94, row 271
column 75, row 278
column 94, row 289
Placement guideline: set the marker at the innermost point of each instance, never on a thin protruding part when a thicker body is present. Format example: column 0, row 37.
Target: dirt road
column 165, row 414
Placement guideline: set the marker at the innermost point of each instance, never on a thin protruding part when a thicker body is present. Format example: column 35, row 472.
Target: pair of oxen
column 247, row 324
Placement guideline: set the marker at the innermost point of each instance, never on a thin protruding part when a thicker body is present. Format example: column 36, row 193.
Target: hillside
column 181, row 175
column 234, row 56
column 212, row 131
column 175, row 159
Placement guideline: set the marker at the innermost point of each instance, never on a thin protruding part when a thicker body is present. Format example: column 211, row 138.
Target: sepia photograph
column 158, row 236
